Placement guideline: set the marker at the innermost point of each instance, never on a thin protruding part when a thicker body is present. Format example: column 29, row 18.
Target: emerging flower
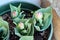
column 14, row 14
column 43, row 18
column 24, row 28
column 38, row 15
column 21, row 25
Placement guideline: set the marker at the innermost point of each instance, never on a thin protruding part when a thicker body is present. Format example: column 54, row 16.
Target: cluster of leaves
column 16, row 13
column 25, row 27
column 42, row 18
column 4, row 29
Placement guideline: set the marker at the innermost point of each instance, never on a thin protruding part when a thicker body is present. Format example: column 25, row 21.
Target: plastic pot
column 5, row 7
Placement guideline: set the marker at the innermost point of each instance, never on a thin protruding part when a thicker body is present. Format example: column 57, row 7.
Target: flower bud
column 14, row 14
column 38, row 15
column 21, row 25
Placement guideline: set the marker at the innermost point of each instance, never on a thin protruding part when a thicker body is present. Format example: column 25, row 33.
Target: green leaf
column 29, row 25
column 26, row 38
column 17, row 33
column 3, row 23
column 26, row 23
column 19, row 8
column 37, row 28
column 24, row 31
column 47, row 17
column 4, row 29
column 49, row 9
column 1, row 18
column 16, row 20
column 31, row 20
column 13, row 8
column 47, row 13
column 23, row 20
column 40, row 10
column 41, row 22
column 32, row 31
column 29, row 28
column 21, row 16
column 45, row 10
column 14, row 11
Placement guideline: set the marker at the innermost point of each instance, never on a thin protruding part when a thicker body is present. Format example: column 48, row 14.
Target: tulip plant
column 24, row 27
column 16, row 13
column 41, row 20
column 4, row 29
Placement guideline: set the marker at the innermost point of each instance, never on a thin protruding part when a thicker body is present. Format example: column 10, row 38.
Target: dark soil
column 37, row 35
column 42, row 35
column 11, row 27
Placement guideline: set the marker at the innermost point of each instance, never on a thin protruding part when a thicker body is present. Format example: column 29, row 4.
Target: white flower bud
column 14, row 14
column 38, row 15
column 21, row 25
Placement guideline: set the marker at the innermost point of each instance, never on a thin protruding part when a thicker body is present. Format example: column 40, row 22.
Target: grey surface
column 4, row 1
column 36, row 2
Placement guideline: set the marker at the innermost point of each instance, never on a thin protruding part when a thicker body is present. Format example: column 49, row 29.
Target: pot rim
column 51, row 32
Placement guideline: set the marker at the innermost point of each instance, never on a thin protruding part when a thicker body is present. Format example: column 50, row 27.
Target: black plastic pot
column 25, row 5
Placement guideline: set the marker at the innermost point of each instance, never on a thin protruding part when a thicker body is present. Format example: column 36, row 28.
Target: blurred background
column 54, row 3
